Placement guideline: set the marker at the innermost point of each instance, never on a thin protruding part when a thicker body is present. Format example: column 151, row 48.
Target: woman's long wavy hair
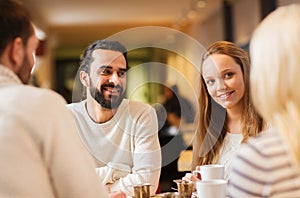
column 212, row 124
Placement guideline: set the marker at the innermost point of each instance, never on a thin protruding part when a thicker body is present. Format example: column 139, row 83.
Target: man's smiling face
column 108, row 78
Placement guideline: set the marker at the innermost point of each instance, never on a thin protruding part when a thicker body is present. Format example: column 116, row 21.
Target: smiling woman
column 224, row 81
column 227, row 116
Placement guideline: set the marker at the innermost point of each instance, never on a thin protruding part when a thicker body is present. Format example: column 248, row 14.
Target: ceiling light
column 40, row 34
column 201, row 4
column 192, row 14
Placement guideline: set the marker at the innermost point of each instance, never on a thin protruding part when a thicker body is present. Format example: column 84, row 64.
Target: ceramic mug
column 213, row 188
column 211, row 171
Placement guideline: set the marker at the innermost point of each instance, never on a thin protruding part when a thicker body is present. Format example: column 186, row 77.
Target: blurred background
column 67, row 27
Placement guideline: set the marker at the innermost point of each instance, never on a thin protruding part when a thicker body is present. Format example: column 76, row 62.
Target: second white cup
column 215, row 188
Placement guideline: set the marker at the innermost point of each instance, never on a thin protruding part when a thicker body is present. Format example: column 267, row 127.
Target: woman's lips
column 225, row 95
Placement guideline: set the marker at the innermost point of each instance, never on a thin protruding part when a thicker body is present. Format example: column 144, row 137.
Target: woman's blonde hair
column 275, row 49
column 212, row 117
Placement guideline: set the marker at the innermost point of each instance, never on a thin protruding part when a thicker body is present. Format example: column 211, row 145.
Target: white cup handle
column 197, row 173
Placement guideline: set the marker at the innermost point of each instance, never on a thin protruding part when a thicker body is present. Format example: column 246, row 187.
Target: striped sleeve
column 262, row 168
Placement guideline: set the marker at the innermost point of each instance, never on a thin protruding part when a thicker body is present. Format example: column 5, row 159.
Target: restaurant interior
column 167, row 39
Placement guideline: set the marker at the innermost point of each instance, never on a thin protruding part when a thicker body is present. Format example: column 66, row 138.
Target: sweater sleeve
column 146, row 155
column 112, row 172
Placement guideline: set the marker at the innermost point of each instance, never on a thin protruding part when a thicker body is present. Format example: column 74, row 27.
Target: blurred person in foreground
column 121, row 135
column 39, row 145
column 269, row 165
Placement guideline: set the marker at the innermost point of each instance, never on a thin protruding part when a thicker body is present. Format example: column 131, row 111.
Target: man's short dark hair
column 87, row 57
column 15, row 21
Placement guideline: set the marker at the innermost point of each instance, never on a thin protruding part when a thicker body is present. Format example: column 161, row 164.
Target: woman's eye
column 228, row 75
column 210, row 82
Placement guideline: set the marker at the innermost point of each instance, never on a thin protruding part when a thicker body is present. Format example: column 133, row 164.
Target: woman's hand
column 190, row 177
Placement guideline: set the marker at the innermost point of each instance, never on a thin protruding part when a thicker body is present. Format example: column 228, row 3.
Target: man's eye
column 122, row 74
column 105, row 72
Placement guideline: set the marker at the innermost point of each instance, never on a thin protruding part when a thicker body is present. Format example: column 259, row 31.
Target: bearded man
column 120, row 134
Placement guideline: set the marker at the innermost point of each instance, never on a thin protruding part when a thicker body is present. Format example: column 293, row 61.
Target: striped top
column 263, row 168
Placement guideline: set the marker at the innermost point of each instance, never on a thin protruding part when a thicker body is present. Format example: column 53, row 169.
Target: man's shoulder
column 32, row 94
column 75, row 105
column 49, row 97
column 137, row 105
column 32, row 100
column 78, row 110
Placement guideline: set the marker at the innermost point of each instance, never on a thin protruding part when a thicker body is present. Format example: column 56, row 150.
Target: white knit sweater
column 40, row 152
column 126, row 148
column 228, row 150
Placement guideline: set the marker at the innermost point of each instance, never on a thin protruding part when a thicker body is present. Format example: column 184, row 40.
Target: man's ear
column 84, row 78
column 17, row 52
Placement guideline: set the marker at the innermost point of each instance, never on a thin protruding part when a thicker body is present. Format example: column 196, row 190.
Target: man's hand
column 118, row 194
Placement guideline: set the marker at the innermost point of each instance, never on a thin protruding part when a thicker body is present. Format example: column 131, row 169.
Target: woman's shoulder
column 265, row 145
column 270, row 134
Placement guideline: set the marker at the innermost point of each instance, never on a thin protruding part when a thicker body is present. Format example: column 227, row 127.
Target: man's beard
column 111, row 103
column 24, row 73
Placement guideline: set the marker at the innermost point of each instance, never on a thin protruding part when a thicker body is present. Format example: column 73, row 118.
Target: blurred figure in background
column 178, row 108
column 269, row 165
column 41, row 154
column 172, row 115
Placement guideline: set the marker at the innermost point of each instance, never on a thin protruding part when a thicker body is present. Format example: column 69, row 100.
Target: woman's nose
column 221, row 85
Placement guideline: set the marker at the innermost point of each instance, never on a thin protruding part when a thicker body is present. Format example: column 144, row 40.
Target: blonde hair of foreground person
column 211, row 130
column 275, row 49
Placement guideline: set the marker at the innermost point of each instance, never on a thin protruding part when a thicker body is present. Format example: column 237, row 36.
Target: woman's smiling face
column 224, row 80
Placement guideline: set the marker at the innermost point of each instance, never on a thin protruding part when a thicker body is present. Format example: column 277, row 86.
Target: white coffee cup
column 214, row 188
column 211, row 171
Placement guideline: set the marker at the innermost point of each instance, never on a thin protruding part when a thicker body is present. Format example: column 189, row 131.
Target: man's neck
column 98, row 113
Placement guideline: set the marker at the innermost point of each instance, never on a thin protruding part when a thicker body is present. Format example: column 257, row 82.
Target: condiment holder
column 184, row 188
column 142, row 191
column 168, row 195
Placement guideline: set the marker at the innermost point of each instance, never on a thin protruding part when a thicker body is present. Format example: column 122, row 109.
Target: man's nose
column 114, row 78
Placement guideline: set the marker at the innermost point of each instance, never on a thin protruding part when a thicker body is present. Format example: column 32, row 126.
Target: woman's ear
column 84, row 78
column 17, row 52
